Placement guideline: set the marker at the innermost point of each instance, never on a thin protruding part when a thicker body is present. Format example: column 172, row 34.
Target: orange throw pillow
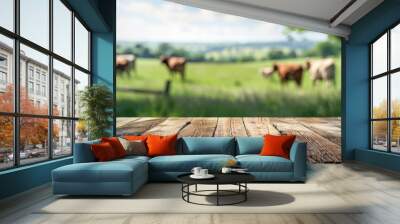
column 135, row 137
column 161, row 145
column 103, row 152
column 277, row 145
column 116, row 145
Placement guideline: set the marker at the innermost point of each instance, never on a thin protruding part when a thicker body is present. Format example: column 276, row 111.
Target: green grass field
column 225, row 89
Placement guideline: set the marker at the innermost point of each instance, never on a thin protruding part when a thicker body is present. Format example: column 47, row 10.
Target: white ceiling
column 320, row 9
column 324, row 16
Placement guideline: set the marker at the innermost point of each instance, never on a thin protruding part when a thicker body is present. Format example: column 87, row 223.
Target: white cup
column 203, row 172
column 226, row 170
column 196, row 171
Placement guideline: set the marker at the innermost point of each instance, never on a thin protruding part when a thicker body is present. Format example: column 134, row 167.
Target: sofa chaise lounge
column 125, row 176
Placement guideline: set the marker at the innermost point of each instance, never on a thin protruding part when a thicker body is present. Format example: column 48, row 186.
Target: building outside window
column 58, row 128
column 3, row 72
column 385, row 94
column 30, row 87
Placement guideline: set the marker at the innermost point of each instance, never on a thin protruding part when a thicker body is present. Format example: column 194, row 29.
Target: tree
column 326, row 48
column 33, row 131
column 165, row 49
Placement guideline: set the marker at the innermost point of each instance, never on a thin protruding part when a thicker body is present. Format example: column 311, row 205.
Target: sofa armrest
column 83, row 152
column 298, row 155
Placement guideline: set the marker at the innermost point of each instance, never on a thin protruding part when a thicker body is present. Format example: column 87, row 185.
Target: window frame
column 388, row 74
column 16, row 114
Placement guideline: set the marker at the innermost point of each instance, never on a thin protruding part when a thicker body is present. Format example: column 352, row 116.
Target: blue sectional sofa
column 125, row 176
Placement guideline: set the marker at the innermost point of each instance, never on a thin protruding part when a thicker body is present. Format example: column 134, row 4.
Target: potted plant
column 96, row 102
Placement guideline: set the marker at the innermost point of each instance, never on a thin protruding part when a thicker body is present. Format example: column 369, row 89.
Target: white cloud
column 157, row 20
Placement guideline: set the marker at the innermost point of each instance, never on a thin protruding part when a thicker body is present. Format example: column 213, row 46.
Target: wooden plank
column 237, row 127
column 256, row 126
column 223, row 128
column 325, row 127
column 272, row 128
column 139, row 126
column 169, row 126
column 204, row 127
column 319, row 148
column 121, row 121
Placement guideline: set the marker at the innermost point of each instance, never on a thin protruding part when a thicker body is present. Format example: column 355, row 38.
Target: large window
column 44, row 64
column 385, row 91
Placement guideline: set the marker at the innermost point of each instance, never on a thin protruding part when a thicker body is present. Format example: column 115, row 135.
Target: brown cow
column 286, row 72
column 125, row 63
column 175, row 65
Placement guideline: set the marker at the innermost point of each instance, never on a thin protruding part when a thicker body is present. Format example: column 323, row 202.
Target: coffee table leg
column 217, row 194
column 195, row 188
column 245, row 193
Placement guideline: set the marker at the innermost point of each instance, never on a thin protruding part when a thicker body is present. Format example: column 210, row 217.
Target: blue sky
column 163, row 21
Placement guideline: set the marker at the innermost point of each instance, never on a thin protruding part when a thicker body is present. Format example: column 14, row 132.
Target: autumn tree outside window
column 44, row 64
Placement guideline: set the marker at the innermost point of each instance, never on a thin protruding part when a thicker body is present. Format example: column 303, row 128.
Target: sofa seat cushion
column 185, row 163
column 112, row 171
column 257, row 163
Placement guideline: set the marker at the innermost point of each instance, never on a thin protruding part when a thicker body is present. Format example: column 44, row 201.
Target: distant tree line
column 328, row 48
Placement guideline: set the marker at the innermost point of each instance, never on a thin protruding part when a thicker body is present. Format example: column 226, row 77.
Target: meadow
column 225, row 89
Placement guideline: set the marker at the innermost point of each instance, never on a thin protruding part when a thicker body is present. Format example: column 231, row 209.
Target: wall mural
column 204, row 73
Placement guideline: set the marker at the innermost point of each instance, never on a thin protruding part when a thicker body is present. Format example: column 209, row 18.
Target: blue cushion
column 249, row 145
column 83, row 153
column 111, row 171
column 207, row 145
column 185, row 163
column 257, row 163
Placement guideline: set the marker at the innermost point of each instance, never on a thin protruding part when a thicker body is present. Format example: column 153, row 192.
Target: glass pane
column 379, row 55
column 34, row 97
column 395, row 94
column 395, row 47
column 33, row 139
column 35, row 21
column 81, row 132
column 395, row 136
column 379, row 97
column 62, row 89
column 62, row 138
column 6, row 142
column 81, row 82
column 81, row 45
column 379, row 135
column 7, row 14
column 62, row 28
column 6, row 74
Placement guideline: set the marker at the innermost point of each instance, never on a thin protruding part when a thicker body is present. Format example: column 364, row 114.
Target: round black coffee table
column 238, row 179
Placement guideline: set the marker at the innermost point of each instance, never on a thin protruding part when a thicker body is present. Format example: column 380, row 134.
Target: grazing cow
column 322, row 70
column 175, row 65
column 126, row 63
column 286, row 72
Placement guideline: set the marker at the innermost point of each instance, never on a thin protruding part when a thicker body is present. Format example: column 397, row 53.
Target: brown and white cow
column 286, row 72
column 125, row 63
column 175, row 65
column 322, row 70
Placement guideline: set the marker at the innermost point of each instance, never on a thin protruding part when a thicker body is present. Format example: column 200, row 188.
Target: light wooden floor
column 378, row 189
column 323, row 135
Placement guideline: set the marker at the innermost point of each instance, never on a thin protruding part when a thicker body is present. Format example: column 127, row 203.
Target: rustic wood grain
column 319, row 148
column 139, row 126
column 323, row 135
column 256, row 126
column 237, row 126
column 169, row 126
column 224, row 128
column 200, row 127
